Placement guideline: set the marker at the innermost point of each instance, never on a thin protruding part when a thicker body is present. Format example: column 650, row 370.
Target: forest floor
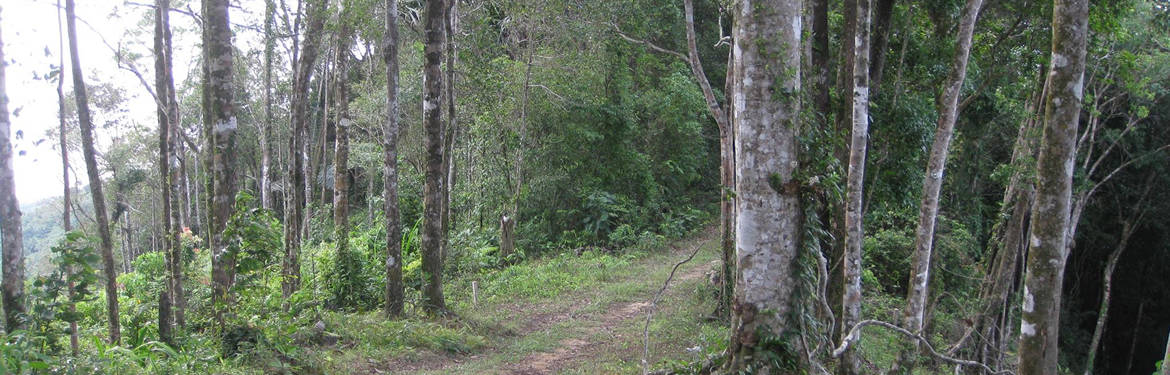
column 569, row 315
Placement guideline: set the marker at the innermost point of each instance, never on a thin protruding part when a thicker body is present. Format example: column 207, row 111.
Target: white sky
column 30, row 34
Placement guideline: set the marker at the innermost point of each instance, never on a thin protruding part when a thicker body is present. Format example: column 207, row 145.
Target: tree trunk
column 1106, row 293
column 175, row 179
column 162, row 86
column 883, row 14
column 854, row 235
column 95, row 180
column 341, row 151
column 1047, row 254
column 507, row 239
column 266, row 127
column 1129, row 224
column 449, row 131
column 66, row 221
column 912, row 316
column 726, row 160
column 295, row 206
column 13, row 244
column 394, row 287
column 219, row 121
column 768, row 208
column 432, row 234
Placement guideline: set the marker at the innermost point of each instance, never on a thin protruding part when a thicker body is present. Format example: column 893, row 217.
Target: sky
column 31, row 49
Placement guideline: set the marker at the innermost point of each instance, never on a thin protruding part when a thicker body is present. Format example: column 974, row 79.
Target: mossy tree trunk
column 1047, row 253
column 432, row 233
column 768, row 209
column 394, row 287
column 95, row 181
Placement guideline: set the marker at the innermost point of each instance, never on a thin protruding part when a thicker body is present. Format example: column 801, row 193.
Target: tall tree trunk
column 912, row 316
column 291, row 266
column 769, row 221
column 1047, row 254
column 219, row 121
column 95, row 179
column 1008, row 243
column 66, row 200
column 820, row 57
column 341, row 150
column 883, row 14
column 13, row 244
column 266, row 128
column 449, row 130
column 854, row 235
column 161, row 78
column 394, row 287
column 726, row 161
column 432, row 234
column 1106, row 293
column 176, row 178
column 1129, row 224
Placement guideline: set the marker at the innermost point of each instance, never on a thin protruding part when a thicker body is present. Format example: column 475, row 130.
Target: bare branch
column 654, row 303
column 854, row 334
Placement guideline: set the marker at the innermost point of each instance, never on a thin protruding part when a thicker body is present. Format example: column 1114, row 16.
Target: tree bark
column 291, row 266
column 726, row 161
column 883, row 14
column 66, row 200
column 266, row 127
column 341, row 149
column 175, row 180
column 161, row 87
column 219, row 121
column 769, row 221
column 854, row 234
column 394, row 287
column 432, row 234
column 449, row 130
column 912, row 316
column 13, row 244
column 1047, row 254
column 95, row 180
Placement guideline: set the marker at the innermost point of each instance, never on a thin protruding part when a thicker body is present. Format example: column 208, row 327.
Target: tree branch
column 854, row 334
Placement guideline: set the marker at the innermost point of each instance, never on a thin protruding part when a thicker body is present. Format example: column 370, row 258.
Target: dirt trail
column 592, row 332
column 573, row 348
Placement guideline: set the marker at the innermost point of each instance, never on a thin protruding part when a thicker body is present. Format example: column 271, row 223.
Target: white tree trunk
column 913, row 316
column 768, row 211
column 1047, row 253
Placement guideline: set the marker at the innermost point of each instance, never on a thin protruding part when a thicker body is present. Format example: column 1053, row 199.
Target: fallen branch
column 855, row 332
column 654, row 303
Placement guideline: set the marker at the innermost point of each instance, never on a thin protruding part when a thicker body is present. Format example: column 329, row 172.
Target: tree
column 1129, row 224
column 768, row 209
column 394, row 286
column 315, row 11
column 219, row 123
column 726, row 159
column 166, row 123
column 851, row 309
column 66, row 201
column 13, row 244
column 433, row 127
column 1047, row 252
column 912, row 317
column 345, row 262
column 95, row 179
column 266, row 128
